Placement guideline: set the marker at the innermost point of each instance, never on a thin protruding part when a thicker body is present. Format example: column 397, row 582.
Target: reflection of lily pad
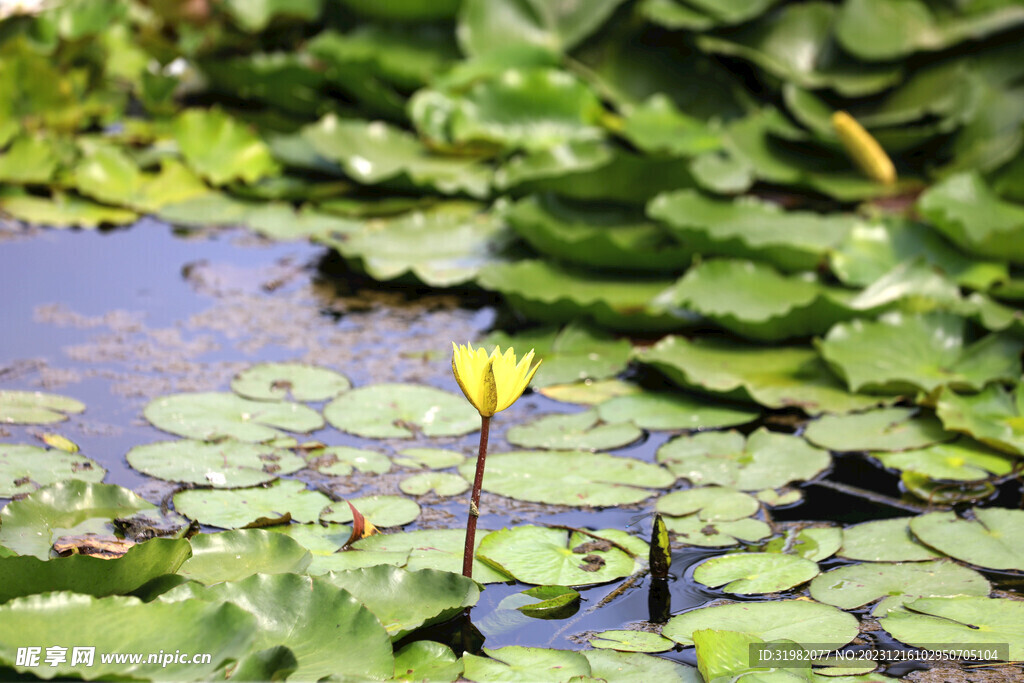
column 234, row 555
column 582, row 431
column 886, row 540
column 212, row 416
column 692, row 530
column 570, row 477
column 230, row 509
column 797, row 620
column 752, row 573
column 711, row 503
column 994, row 538
column 432, row 549
column 763, row 460
column 225, row 464
column 297, row 381
column 961, row 460
column 961, row 621
column 888, row 429
column 994, row 416
column 382, row 511
column 36, row 407
column 441, row 483
column 26, row 468
column 382, row 411
column 673, row 410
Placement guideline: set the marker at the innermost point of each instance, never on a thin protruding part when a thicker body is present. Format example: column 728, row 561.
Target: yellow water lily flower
column 491, row 383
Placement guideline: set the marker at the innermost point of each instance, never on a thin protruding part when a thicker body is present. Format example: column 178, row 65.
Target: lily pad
column 36, row 407
column 441, row 483
column 762, row 460
column 487, row 26
column 322, row 541
column 382, row 511
column 234, row 555
column 27, row 468
column 692, row 530
column 31, row 525
column 234, row 508
column 711, row 503
column 961, row 460
column 993, row 538
column 888, row 429
column 63, row 211
column 432, row 549
column 221, row 149
column 812, row 543
column 517, row 663
column 994, row 416
column 109, row 175
column 960, row 622
column 383, row 411
column 857, row 585
column 575, row 431
column 570, row 477
column 341, row 461
column 631, row 641
column 674, row 410
column 753, row 573
column 797, row 620
column 430, row 458
column 775, row 377
column 636, row 667
column 589, row 392
column 213, row 416
column 903, row 353
column 224, row 464
column 425, row 660
column 295, row 381
column 886, row 540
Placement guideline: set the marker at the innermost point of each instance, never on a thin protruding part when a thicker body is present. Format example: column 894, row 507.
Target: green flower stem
column 474, row 500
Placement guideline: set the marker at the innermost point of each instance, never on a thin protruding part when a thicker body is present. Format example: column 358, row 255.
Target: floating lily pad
column 711, row 503
column 673, row 410
column 631, row 641
column 36, row 407
column 775, row 377
column 234, row 508
column 109, row 175
column 301, row 613
column 28, row 160
column 63, row 210
column 960, row 622
column 296, row 381
column 225, row 464
column 636, row 667
column 889, row 429
column 961, row 460
column 570, row 477
column 753, row 573
column 994, row 538
column 430, row 458
column 441, row 483
column 517, row 663
column 27, row 468
column 780, row 498
column 905, row 353
column 995, row 416
column 234, row 555
column 212, row 416
column 382, row 511
column 407, row 600
column 554, row 557
column 797, row 620
column 432, row 549
column 425, row 660
column 487, row 26
column 813, row 543
column 221, row 149
column 943, row 492
column 322, row 541
column 383, row 411
column 575, row 431
column 31, row 525
column 857, row 585
column 692, row 530
column 255, row 17
column 341, row 461
column 762, row 460
column 886, row 540
column 589, row 392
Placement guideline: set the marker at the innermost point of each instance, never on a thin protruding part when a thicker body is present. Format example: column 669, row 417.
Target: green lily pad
column 341, row 461
column 383, row 411
column 751, row 228
column 110, row 175
column 753, row 573
column 234, row 555
column 551, row 601
column 797, row 620
column 570, row 477
column 631, row 641
column 212, row 416
column 30, row 526
column 430, row 458
column 960, row 622
column 487, row 26
column 322, row 541
column 589, row 392
column 636, row 667
column 994, row 416
column 130, row 625
column 407, row 600
column 782, row 497
column 538, row 170
column 886, row 540
column 725, row 654
column 432, row 549
column 813, row 543
column 224, row 464
column 443, row 246
column 775, row 377
column 578, row 351
column 763, row 460
column 673, row 410
column 657, row 126
column 27, row 468
column 517, row 663
column 994, row 231
column 574, row 431
column 425, row 660
column 295, row 381
column 29, row 160
column 711, row 503
column 443, row 484
column 888, row 429
column 692, row 530
column 255, row 17
column 36, row 407
column 902, row 353
column 301, row 613
column 943, row 492
column 857, row 585
column 961, row 460
column 221, row 149
column 383, row 511
column 63, row 210
column 234, row 508
column 994, row 538
column 554, row 557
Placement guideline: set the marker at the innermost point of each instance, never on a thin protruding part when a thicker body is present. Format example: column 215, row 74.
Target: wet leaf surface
column 225, row 464
column 295, row 381
column 213, row 416
column 753, row 573
column 399, row 410
column 235, row 508
column 26, row 468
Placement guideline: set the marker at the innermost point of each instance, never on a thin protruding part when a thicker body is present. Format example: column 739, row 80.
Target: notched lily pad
column 575, row 431
column 295, row 381
column 886, row 540
column 798, row 620
column 753, row 573
column 711, row 503
column 889, row 429
column 960, row 460
column 26, row 468
column 962, row 620
column 995, row 416
column 673, row 410
column 991, row 538
column 431, row 549
column 234, row 555
column 224, row 464
column 631, row 641
column 221, row 149
column 212, row 416
column 430, row 458
column 36, row 407
column 383, row 411
column 692, row 530
column 234, row 508
column 341, row 461
column 441, row 483
column 382, row 511
column 812, row 543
